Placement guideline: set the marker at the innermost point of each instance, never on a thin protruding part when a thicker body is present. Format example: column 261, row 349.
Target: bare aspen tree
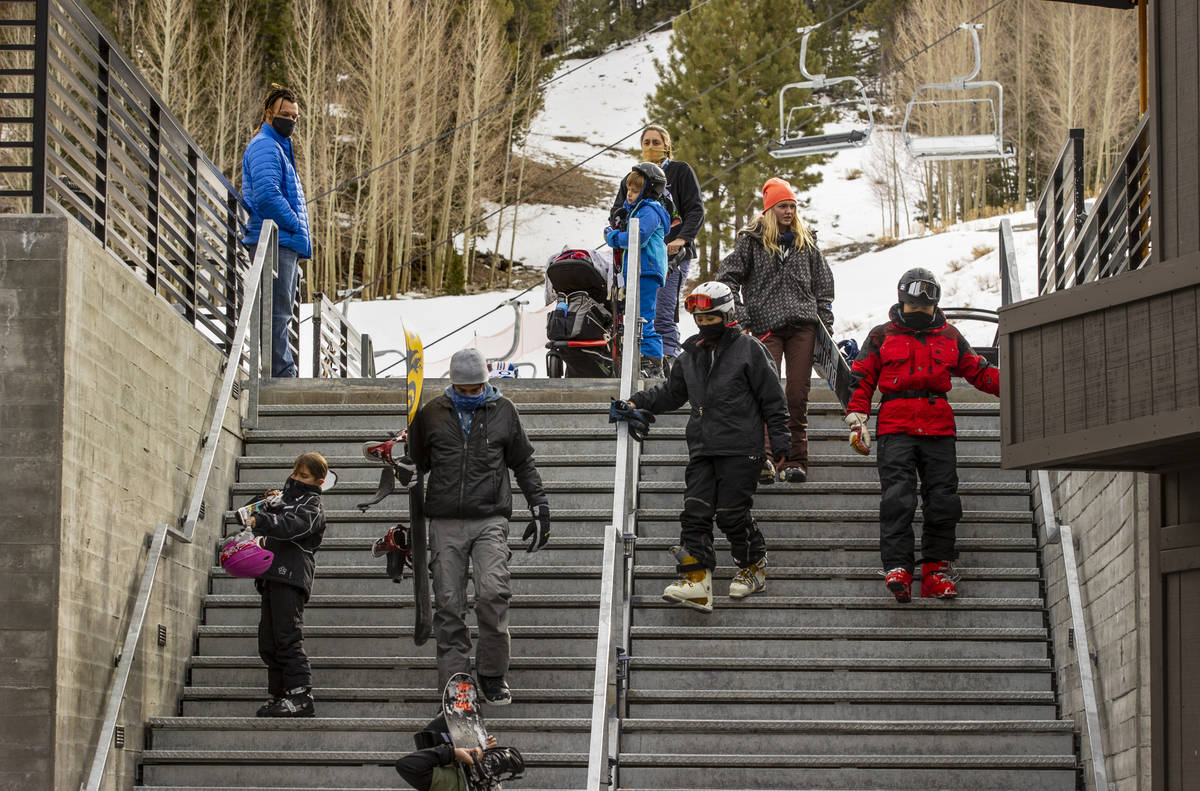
column 164, row 53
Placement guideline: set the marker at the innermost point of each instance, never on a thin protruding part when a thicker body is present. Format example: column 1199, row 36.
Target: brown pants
column 793, row 347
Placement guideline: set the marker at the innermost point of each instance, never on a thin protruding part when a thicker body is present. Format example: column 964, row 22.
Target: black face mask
column 918, row 321
column 711, row 332
column 284, row 126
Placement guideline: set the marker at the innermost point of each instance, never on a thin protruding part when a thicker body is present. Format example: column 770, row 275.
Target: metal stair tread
column 849, row 663
column 552, row 407
column 838, row 695
column 857, row 726
column 429, row 660
column 999, row 543
column 672, row 514
column 399, row 601
column 405, row 725
column 884, row 601
column 410, row 694
column 324, row 757
column 540, row 432
column 842, row 632
column 583, row 460
column 857, row 761
column 349, row 630
column 775, row 572
column 812, row 487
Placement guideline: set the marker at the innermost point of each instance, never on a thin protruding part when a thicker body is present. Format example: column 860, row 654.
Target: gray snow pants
column 455, row 545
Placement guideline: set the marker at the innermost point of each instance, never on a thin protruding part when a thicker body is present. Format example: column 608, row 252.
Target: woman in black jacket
column 684, row 190
column 785, row 288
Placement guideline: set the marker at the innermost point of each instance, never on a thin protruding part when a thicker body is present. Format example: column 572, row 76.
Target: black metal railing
column 82, row 133
column 1075, row 246
column 1116, row 236
column 1060, row 214
column 339, row 351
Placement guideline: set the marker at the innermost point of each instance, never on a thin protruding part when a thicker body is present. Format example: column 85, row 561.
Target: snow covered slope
column 600, row 105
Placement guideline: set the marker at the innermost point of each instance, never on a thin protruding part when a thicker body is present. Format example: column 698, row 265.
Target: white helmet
column 711, row 297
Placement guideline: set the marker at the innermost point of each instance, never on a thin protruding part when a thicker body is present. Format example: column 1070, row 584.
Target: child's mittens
column 612, row 237
column 860, row 436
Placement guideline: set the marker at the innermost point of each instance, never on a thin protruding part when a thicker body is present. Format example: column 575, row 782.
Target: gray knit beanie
column 467, row 367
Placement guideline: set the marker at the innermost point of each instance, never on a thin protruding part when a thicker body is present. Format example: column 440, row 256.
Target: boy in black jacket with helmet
column 733, row 387
column 292, row 529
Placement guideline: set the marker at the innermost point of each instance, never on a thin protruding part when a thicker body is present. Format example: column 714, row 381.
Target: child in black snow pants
column 292, row 529
column 733, row 387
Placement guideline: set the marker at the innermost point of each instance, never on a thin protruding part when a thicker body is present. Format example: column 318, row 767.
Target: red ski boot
column 937, row 580
column 899, row 582
column 396, row 540
column 382, row 451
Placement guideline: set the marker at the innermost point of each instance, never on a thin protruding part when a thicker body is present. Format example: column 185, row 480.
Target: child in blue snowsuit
column 644, row 190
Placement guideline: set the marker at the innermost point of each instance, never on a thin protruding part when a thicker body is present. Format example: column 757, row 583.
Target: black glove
column 537, row 532
column 406, row 471
column 638, row 420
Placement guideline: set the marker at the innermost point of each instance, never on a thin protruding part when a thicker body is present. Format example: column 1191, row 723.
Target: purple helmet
column 242, row 556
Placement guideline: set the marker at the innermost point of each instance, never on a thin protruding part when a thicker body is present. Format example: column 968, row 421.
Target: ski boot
column 396, row 540
column 266, row 707
column 749, row 580
column 937, row 580
column 495, row 690
column 694, row 586
column 766, row 476
column 296, row 702
column 382, row 450
column 795, row 475
column 652, row 368
column 899, row 582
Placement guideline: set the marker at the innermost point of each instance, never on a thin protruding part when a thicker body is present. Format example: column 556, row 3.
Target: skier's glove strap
column 406, row 471
column 638, row 420
column 860, row 435
column 537, row 532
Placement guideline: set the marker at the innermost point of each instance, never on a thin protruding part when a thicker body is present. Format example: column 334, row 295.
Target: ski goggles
column 923, row 288
column 703, row 303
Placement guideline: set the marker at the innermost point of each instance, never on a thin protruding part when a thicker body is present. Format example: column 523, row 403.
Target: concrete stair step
column 815, row 407
column 330, row 734
column 850, row 737
column 329, row 769
column 414, row 671
column 395, row 639
column 788, row 771
column 422, row 702
column 944, row 639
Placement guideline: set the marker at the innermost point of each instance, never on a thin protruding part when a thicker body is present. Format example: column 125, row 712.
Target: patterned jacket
column 777, row 290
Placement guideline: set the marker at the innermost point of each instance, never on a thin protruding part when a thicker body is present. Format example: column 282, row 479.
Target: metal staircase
column 820, row 682
column 823, row 681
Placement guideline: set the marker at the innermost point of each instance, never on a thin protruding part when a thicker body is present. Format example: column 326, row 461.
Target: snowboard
column 460, row 705
column 414, row 354
column 832, row 366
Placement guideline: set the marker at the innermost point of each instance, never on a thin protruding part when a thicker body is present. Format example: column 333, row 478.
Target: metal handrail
column 1052, row 531
column 266, row 253
column 616, row 588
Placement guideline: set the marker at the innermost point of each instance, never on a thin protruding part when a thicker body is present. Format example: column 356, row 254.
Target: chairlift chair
column 792, row 140
column 923, row 148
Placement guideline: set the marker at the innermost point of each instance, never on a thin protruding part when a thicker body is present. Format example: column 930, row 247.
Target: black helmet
column 656, row 180
column 919, row 287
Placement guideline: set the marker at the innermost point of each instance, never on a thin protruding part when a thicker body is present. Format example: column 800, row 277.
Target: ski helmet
column 656, row 180
column 243, row 556
column 919, row 287
column 711, row 297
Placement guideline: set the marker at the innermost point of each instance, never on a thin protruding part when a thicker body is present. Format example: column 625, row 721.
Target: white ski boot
column 694, row 586
column 748, row 581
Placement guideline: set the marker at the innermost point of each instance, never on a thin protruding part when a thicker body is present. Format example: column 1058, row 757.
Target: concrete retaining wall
column 1109, row 515
column 108, row 391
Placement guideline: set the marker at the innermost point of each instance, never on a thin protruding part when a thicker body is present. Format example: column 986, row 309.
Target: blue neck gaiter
column 466, row 405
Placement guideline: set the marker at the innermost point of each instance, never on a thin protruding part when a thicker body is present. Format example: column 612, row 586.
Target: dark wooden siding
column 1105, row 375
column 1175, row 80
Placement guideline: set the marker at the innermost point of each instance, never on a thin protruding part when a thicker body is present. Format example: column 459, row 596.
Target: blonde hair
column 666, row 136
column 312, row 463
column 766, row 227
column 635, row 181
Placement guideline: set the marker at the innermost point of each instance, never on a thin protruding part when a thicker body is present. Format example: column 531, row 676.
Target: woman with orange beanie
column 783, row 287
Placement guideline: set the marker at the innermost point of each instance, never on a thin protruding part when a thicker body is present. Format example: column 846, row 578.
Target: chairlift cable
column 497, row 108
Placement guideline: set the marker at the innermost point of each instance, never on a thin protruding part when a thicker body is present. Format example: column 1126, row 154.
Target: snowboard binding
column 381, row 451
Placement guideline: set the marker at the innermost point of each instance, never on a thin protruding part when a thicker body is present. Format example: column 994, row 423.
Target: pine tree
column 738, row 116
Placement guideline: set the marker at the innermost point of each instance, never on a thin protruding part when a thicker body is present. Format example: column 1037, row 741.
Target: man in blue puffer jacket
column 273, row 191
column 644, row 187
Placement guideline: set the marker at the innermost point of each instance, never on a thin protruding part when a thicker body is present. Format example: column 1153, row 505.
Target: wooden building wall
column 1175, row 108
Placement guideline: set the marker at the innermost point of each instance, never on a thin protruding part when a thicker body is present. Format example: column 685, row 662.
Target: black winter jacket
column 468, row 476
column 733, row 391
column 294, row 528
column 685, row 193
column 777, row 291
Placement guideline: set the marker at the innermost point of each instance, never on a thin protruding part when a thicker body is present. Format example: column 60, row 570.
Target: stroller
column 582, row 328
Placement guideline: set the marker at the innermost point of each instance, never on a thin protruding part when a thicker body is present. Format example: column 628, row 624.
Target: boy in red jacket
column 910, row 360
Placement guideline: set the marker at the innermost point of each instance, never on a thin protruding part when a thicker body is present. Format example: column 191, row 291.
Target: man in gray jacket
column 467, row 439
